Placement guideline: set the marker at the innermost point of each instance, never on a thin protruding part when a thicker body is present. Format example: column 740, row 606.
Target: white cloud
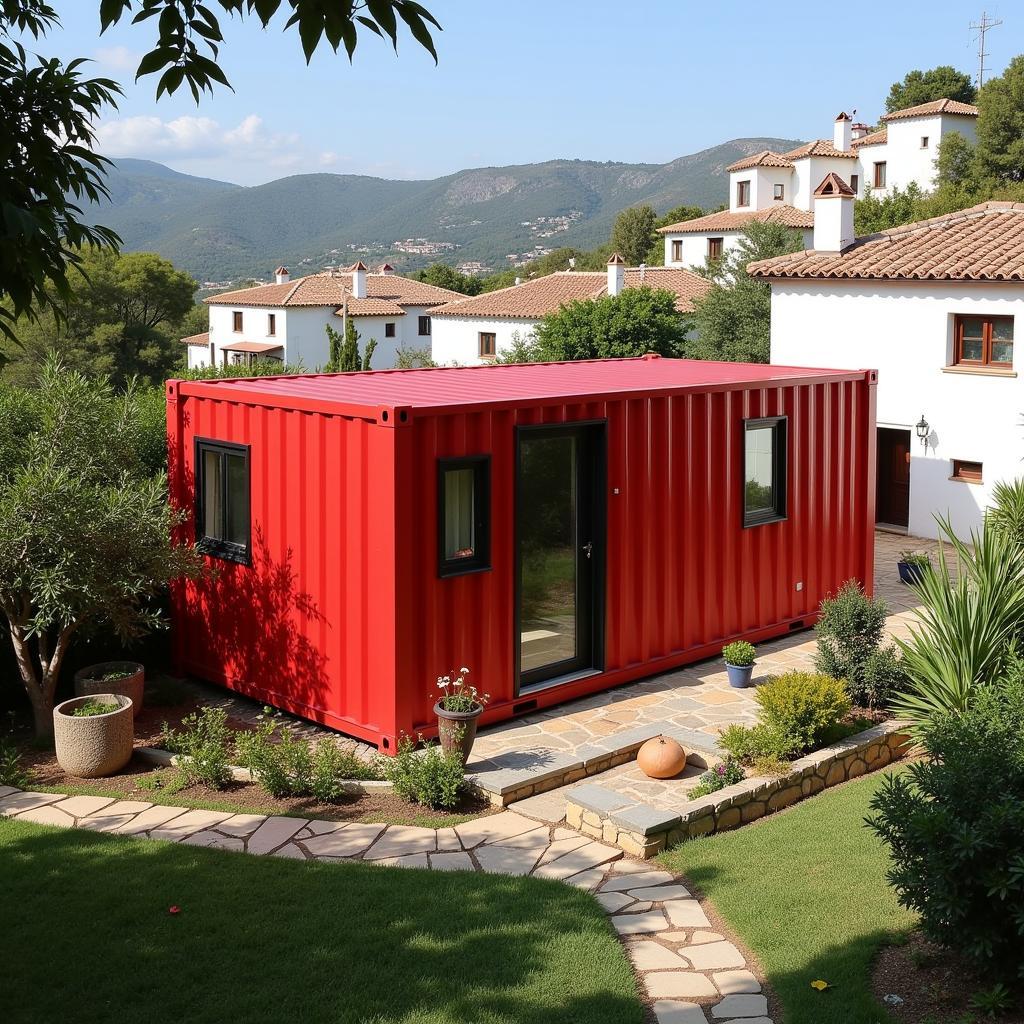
column 117, row 58
column 328, row 159
column 200, row 138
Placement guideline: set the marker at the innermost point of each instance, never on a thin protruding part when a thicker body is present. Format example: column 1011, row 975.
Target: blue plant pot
column 910, row 572
column 739, row 675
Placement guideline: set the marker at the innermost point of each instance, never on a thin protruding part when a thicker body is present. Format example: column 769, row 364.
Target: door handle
column 587, row 548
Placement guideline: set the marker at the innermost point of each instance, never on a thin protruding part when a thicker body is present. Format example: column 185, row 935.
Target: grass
column 806, row 891
column 435, row 819
column 88, row 936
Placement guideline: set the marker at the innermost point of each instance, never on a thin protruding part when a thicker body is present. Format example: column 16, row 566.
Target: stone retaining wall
column 643, row 830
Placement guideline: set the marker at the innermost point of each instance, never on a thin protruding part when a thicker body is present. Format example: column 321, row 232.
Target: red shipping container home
column 559, row 528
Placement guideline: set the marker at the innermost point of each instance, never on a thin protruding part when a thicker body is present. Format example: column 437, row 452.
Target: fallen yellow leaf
column 819, row 985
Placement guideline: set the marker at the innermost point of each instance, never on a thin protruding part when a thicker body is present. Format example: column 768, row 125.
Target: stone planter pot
column 457, row 730
column 97, row 745
column 739, row 675
column 89, row 681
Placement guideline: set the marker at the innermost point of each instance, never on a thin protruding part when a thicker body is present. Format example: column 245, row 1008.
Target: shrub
column 800, row 706
column 918, row 558
column 296, row 767
column 429, row 777
column 751, row 744
column 725, row 773
column 849, row 632
column 93, row 707
column 954, row 823
column 1006, row 516
column 738, row 653
column 11, row 771
column 883, row 676
column 202, row 741
column 967, row 625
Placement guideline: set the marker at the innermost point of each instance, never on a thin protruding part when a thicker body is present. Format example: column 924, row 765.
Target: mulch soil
column 131, row 783
column 935, row 985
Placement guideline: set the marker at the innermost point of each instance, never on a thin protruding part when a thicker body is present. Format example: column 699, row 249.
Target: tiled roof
column 872, row 138
column 197, row 339
column 833, row 185
column 729, row 220
column 330, row 290
column 983, row 243
column 817, row 147
column 534, row 299
column 766, row 158
column 934, row 107
column 372, row 307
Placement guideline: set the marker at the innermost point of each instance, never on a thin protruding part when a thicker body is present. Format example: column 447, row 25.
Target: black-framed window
column 463, row 515
column 389, row 330
column 764, row 470
column 424, row 326
column 223, row 525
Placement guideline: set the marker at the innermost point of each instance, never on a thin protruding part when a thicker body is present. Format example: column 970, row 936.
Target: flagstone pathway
column 692, row 974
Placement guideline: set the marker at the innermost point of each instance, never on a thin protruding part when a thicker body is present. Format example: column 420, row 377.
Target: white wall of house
column 457, row 338
column 762, row 187
column 905, row 331
column 809, row 173
column 301, row 331
column 695, row 247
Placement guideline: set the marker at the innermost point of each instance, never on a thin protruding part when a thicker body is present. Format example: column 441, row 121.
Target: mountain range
column 223, row 232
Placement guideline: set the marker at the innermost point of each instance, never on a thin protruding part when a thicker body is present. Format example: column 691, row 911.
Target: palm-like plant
column 969, row 623
column 1007, row 513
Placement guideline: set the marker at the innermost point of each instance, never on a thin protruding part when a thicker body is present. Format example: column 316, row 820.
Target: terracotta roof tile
column 934, row 107
column 729, row 220
column 330, row 290
column 766, row 158
column 372, row 307
column 833, row 185
column 872, row 138
column 534, row 299
column 197, row 339
column 983, row 243
column 818, row 147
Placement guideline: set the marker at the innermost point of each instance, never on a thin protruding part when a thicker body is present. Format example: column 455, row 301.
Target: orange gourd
column 661, row 758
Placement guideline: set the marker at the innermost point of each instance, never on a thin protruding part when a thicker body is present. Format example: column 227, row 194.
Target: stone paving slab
column 681, row 963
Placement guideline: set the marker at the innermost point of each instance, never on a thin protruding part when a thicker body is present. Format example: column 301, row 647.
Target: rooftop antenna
column 981, row 27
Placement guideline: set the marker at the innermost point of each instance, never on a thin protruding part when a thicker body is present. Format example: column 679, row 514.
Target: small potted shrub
column 913, row 565
column 93, row 735
column 458, row 709
column 124, row 677
column 739, row 662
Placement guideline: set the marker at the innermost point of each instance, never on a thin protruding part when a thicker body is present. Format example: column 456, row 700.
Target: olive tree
column 85, row 527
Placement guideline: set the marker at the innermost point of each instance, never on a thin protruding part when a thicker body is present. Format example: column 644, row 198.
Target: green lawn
column 87, row 936
column 806, row 891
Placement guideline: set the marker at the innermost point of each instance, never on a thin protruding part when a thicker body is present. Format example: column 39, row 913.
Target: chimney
column 841, row 132
column 387, row 269
column 859, row 130
column 281, row 275
column 833, row 215
column 358, row 280
column 616, row 274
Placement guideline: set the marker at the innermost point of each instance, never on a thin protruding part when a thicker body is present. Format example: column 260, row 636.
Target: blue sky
column 528, row 80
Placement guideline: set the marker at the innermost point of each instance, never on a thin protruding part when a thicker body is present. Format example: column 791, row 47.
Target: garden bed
column 934, row 984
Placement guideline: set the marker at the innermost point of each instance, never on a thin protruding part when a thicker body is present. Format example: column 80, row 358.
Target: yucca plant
column 970, row 622
column 1006, row 516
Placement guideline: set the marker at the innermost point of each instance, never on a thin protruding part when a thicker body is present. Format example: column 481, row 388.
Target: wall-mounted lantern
column 923, row 429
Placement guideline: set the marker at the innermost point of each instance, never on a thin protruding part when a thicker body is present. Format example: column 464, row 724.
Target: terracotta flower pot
column 661, row 758
column 89, row 680
column 96, row 745
column 457, row 730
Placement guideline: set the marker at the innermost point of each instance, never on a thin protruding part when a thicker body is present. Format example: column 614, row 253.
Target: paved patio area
column 557, row 748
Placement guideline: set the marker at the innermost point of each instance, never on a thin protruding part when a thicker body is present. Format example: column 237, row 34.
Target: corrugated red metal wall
column 343, row 618
column 683, row 575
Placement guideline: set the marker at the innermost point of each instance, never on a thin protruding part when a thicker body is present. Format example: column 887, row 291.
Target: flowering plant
column 458, row 695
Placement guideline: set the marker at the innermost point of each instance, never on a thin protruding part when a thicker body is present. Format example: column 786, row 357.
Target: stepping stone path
column 691, row 974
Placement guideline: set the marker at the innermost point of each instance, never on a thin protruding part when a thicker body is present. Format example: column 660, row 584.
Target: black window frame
column 480, row 560
column 424, row 321
column 780, row 471
column 226, row 550
column 390, row 329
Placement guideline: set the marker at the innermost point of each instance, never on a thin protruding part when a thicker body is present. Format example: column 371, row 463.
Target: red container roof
column 514, row 384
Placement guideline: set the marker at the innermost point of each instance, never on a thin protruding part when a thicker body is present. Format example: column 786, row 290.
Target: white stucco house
column 285, row 321
column 932, row 306
column 472, row 331
column 780, row 186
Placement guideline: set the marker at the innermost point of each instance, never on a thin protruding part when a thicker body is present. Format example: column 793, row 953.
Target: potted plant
column 458, row 709
column 124, row 677
column 94, row 735
column 739, row 662
column 913, row 565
